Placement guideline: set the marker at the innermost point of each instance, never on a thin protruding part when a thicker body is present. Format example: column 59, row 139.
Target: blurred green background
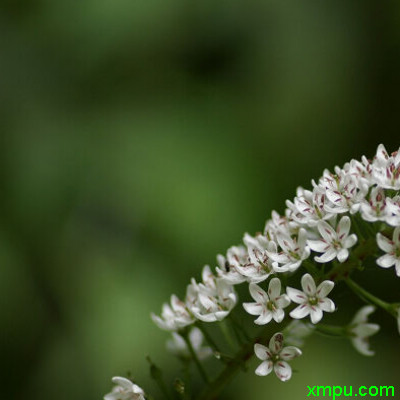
column 141, row 138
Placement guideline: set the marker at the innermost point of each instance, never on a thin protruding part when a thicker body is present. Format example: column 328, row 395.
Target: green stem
column 227, row 334
column 239, row 326
column 232, row 367
column 236, row 332
column 330, row 330
column 196, row 360
column 369, row 297
column 208, row 338
column 357, row 228
column 187, row 379
column 157, row 375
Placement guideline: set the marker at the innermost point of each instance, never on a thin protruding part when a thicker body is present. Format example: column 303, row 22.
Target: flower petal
column 343, row 227
column 326, row 305
column 264, row 368
column 342, row 255
column 362, row 346
column 253, row 308
column 350, row 241
column 362, row 314
column 324, row 288
column 262, row 352
column 282, row 301
column 137, row 390
column 319, row 246
column 397, row 266
column 300, row 311
column 386, row 261
column 283, row 370
column 264, row 318
column 326, row 257
column 123, row 382
column 315, row 314
column 258, row 294
column 384, row 243
column 302, row 238
column 276, row 343
column 196, row 337
column 326, row 231
column 365, row 330
column 297, row 296
column 278, row 315
column 308, row 285
column 289, row 353
column 274, row 288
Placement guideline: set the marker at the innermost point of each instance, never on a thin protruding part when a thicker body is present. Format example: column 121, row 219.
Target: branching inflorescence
column 325, row 235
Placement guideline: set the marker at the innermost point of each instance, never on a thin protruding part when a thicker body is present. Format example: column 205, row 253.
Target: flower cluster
column 317, row 232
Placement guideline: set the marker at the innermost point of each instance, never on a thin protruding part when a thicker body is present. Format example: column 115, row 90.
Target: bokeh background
column 141, row 138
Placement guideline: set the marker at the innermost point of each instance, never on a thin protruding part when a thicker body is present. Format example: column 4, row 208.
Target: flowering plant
column 321, row 241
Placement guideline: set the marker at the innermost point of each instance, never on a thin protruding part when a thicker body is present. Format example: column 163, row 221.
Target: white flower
column 334, row 243
column 313, row 300
column 275, row 358
column 343, row 191
column 178, row 346
column 124, row 390
column 362, row 171
column 267, row 306
column 173, row 318
column 309, row 207
column 375, row 209
column 392, row 250
column 294, row 251
column 297, row 331
column 279, row 224
column 360, row 330
column 236, row 256
column 386, row 169
column 258, row 266
column 211, row 300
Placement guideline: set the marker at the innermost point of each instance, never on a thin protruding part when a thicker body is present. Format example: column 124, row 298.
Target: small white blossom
column 211, row 300
column 275, row 358
column 281, row 224
column 392, row 250
column 375, row 208
column 294, row 251
column 343, row 191
column 173, row 317
column 361, row 171
column 360, row 330
column 267, row 306
column 178, row 346
column 334, row 243
column 386, row 169
column 312, row 300
column 124, row 390
column 258, row 266
column 308, row 207
column 236, row 256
